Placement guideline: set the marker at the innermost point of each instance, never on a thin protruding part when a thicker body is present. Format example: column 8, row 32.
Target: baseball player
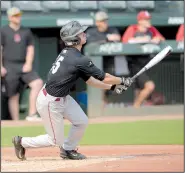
column 54, row 102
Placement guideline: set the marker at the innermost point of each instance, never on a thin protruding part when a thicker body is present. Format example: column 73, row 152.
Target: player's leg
column 146, row 88
column 79, row 120
column 12, row 88
column 51, row 112
column 35, row 84
column 13, row 104
column 143, row 85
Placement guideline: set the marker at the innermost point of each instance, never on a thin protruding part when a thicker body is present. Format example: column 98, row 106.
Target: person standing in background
column 142, row 33
column 17, row 48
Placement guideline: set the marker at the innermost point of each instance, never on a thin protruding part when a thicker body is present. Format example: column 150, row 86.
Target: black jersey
column 15, row 45
column 68, row 67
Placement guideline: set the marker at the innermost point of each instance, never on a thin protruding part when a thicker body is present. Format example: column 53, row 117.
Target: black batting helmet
column 69, row 32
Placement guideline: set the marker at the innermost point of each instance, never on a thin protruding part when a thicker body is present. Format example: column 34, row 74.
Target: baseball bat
column 161, row 55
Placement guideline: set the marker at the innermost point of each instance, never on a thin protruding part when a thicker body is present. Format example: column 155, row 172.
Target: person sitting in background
column 142, row 32
column 17, row 49
column 180, row 33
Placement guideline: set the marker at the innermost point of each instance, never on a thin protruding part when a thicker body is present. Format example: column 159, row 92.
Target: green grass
column 134, row 133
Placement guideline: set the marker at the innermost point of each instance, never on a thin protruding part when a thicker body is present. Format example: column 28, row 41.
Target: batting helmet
column 69, row 32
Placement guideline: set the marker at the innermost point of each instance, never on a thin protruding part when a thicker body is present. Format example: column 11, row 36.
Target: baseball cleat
column 19, row 149
column 71, row 154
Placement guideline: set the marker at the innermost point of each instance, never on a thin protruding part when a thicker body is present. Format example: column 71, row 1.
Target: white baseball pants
column 52, row 110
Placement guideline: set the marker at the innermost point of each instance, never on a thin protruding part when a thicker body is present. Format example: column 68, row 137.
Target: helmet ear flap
column 73, row 42
column 76, row 41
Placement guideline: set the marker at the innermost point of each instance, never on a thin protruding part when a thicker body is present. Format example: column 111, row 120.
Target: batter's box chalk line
column 133, row 156
column 111, row 157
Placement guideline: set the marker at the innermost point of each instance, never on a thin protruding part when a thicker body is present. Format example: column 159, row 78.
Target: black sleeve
column 88, row 69
column 84, row 76
column 30, row 40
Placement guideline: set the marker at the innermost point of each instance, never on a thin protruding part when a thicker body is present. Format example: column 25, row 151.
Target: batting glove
column 127, row 82
column 118, row 88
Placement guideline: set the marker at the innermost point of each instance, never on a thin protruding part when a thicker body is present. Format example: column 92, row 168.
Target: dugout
column 45, row 20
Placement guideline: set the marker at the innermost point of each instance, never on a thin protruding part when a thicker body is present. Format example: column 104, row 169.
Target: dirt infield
column 130, row 158
column 100, row 158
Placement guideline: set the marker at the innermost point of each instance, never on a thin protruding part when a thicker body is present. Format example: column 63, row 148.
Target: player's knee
column 14, row 97
column 53, row 141
column 150, row 86
column 39, row 83
column 83, row 121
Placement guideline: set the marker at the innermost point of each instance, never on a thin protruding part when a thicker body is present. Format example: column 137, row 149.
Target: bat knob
column 170, row 49
column 118, row 90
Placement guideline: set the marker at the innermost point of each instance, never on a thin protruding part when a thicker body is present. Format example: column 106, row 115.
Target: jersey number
column 57, row 64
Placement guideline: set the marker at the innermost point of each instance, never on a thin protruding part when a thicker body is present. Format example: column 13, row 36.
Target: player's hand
column 3, row 71
column 26, row 68
column 119, row 88
column 127, row 82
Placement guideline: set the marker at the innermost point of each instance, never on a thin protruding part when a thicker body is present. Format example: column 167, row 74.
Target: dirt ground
column 168, row 158
column 123, row 158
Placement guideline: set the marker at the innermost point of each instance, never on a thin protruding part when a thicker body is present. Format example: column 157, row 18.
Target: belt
column 45, row 93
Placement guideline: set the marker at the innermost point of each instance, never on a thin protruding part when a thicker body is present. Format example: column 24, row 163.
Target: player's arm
column 98, row 84
column 110, row 79
column 30, row 49
column 1, row 56
column 3, row 69
column 88, row 69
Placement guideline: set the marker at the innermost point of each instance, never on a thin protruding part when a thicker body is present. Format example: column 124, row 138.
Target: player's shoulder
column 71, row 54
column 82, row 59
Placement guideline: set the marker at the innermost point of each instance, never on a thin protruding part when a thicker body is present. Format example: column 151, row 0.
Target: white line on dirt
column 49, row 163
